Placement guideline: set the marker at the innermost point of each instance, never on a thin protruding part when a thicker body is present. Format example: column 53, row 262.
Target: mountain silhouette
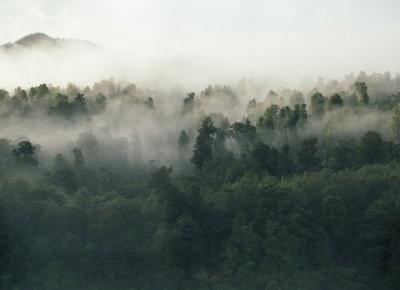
column 43, row 41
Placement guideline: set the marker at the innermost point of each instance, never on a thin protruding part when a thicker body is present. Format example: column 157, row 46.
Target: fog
column 194, row 43
column 170, row 48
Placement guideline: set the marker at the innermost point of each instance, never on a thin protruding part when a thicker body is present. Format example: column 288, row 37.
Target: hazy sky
column 303, row 37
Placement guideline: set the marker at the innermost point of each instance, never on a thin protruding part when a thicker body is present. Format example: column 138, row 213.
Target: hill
column 43, row 41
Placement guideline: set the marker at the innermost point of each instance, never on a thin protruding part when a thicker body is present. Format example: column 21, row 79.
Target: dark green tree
column 299, row 115
column 60, row 162
column 243, row 250
column 32, row 93
column 335, row 101
column 21, row 95
column 184, row 245
column 79, row 104
column 62, row 106
column 4, row 95
column 4, row 246
column 245, row 134
column 395, row 124
column 100, row 102
column 188, row 103
column 25, row 153
column 307, row 154
column 317, row 104
column 362, row 91
column 372, row 147
column 343, row 155
column 183, row 140
column 267, row 157
column 285, row 162
column 269, row 119
column 79, row 160
column 63, row 176
column 42, row 91
column 203, row 148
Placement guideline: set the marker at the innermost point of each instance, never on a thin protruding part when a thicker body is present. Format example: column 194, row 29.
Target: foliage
column 292, row 201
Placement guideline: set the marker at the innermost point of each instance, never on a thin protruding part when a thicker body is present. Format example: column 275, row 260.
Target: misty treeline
column 117, row 187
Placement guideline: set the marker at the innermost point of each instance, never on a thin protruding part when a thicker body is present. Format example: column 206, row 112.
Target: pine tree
column 203, row 148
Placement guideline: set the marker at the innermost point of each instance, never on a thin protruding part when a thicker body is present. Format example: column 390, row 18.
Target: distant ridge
column 42, row 40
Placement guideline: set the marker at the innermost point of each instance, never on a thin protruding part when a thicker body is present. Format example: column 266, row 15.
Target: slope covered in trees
column 117, row 187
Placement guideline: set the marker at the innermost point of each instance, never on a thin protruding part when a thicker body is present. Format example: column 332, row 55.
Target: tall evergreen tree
column 307, row 154
column 183, row 140
column 362, row 91
column 317, row 104
column 203, row 148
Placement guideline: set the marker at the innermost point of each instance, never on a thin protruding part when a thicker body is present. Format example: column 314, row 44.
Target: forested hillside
column 113, row 186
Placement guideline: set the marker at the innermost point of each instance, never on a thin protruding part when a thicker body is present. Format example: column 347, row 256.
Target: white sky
column 302, row 38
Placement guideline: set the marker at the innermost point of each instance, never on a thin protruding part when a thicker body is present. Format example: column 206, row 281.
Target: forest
column 239, row 186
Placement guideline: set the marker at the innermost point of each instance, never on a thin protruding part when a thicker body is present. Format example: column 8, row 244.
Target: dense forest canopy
column 113, row 186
